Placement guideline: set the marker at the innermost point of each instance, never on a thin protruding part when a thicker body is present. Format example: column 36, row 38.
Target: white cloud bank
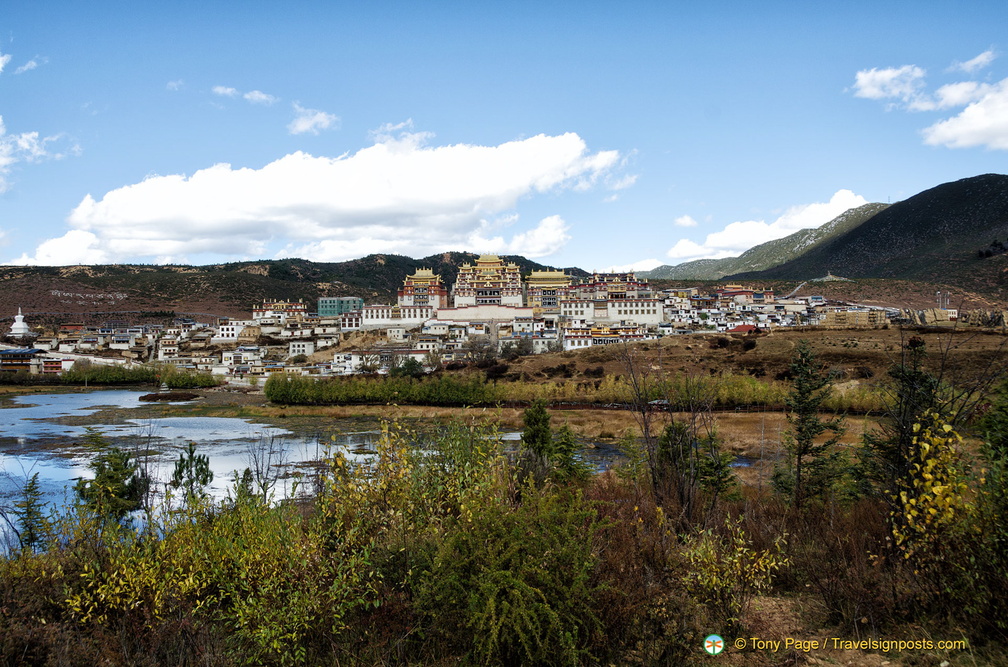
column 983, row 120
column 397, row 196
column 738, row 237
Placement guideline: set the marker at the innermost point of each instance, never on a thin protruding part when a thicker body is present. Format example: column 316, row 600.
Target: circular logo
column 713, row 644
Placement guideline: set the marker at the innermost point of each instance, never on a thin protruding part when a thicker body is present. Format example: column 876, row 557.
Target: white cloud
column 977, row 63
column 685, row 250
column 642, row 265
column 397, row 196
column 983, row 123
column 616, row 184
column 177, row 84
column 738, row 237
column 4, row 59
column 259, row 97
column 75, row 247
column 546, row 238
column 27, row 67
column 685, row 221
column 903, row 83
column 252, row 96
column 387, row 131
column 23, row 147
column 311, row 120
column 960, row 94
column 623, row 182
column 906, row 85
column 949, row 96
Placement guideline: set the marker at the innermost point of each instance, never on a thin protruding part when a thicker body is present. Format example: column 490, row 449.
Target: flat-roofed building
column 381, row 316
column 605, row 286
column 21, row 359
column 305, row 347
column 484, row 313
column 280, row 311
column 334, row 306
column 228, row 331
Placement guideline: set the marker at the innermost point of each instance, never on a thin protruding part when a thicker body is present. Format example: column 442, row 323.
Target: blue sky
column 591, row 134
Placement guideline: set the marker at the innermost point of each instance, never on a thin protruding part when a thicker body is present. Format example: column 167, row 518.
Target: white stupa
column 19, row 329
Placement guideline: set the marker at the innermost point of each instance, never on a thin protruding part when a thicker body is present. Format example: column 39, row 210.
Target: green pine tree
column 118, row 486
column 811, row 467
column 33, row 525
column 192, row 475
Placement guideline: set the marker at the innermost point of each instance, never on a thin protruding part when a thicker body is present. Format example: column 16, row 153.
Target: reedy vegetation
column 474, row 389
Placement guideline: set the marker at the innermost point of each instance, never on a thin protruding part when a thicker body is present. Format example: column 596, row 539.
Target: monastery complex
column 490, row 309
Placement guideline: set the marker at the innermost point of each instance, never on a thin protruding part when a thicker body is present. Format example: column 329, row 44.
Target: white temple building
column 20, row 329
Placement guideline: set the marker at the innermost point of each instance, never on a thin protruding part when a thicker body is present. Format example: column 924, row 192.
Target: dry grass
column 852, row 354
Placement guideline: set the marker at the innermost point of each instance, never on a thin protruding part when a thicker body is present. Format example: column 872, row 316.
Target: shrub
column 726, row 572
column 514, row 586
column 641, row 601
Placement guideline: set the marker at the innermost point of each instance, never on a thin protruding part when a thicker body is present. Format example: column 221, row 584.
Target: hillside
column 769, row 254
column 933, row 236
column 215, row 290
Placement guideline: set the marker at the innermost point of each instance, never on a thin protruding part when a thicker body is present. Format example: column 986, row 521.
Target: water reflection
column 27, row 417
column 31, row 442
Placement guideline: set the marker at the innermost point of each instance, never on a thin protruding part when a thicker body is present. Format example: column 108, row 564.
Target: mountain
column 769, row 254
column 933, row 236
column 129, row 291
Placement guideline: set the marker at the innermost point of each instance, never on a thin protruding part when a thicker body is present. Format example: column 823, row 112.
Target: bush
column 641, row 599
column 178, row 378
column 514, row 586
column 726, row 571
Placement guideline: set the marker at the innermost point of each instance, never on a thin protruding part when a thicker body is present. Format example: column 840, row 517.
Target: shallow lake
column 34, row 437
column 38, row 434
